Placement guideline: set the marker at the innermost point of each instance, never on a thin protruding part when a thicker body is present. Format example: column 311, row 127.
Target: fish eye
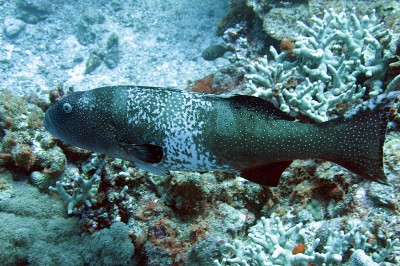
column 67, row 108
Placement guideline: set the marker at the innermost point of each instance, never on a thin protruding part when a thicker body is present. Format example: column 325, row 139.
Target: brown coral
column 288, row 45
column 205, row 85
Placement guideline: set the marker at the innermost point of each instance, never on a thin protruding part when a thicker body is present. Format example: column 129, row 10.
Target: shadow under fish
column 161, row 129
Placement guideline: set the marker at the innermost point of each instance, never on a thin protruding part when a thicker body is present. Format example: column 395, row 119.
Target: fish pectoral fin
column 147, row 153
column 266, row 175
column 144, row 155
column 151, row 168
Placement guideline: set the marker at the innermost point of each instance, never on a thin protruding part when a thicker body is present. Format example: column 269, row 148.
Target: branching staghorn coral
column 269, row 244
column 334, row 52
column 83, row 191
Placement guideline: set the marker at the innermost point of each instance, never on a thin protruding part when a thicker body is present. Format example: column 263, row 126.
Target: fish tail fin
column 359, row 135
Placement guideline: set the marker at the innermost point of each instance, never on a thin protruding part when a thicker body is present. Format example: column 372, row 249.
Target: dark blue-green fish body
column 164, row 129
column 214, row 51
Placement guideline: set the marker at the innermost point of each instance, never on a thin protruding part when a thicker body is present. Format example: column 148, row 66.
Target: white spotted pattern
column 178, row 118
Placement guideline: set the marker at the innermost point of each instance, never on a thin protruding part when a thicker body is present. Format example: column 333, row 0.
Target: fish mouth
column 48, row 124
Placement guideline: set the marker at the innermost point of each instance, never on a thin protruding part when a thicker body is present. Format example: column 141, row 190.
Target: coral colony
column 321, row 70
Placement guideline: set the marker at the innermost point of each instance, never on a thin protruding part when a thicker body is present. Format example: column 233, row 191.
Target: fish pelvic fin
column 359, row 137
column 151, row 168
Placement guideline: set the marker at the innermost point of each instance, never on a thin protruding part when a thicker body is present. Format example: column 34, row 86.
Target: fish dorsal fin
column 147, row 153
column 266, row 175
column 257, row 104
column 139, row 87
column 170, row 88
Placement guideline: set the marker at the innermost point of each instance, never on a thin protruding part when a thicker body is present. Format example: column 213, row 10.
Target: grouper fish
column 161, row 129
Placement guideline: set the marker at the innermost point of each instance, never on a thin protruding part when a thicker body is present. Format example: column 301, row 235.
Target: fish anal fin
column 266, row 175
column 147, row 153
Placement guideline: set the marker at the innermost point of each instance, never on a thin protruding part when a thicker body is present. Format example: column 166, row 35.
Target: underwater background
column 315, row 60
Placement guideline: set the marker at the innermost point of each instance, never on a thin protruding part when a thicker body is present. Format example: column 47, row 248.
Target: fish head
column 75, row 120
